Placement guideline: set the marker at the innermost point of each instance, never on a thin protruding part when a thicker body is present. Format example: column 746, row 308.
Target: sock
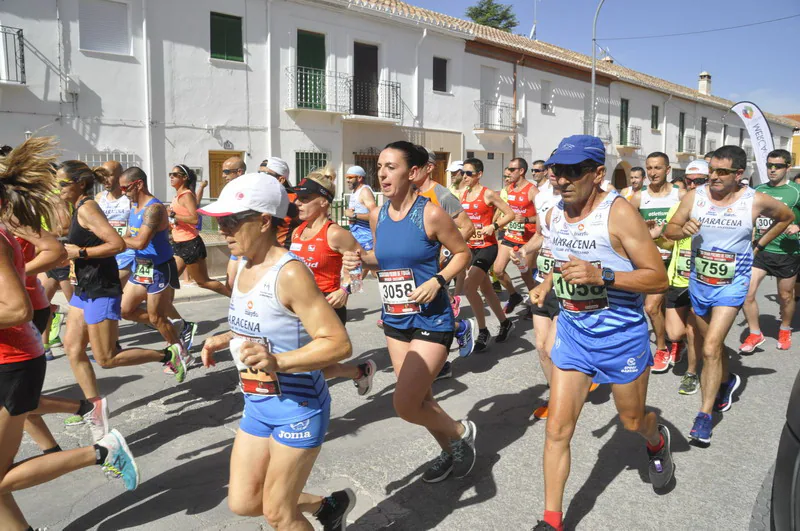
column 786, row 327
column 167, row 356
column 85, row 407
column 467, row 430
column 52, row 450
column 657, row 448
column 555, row 519
column 101, row 454
column 756, row 331
column 462, row 327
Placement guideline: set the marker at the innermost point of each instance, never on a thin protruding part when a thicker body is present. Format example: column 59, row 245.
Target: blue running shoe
column 188, row 333
column 466, row 340
column 119, row 462
column 701, row 431
column 724, row 399
column 48, row 354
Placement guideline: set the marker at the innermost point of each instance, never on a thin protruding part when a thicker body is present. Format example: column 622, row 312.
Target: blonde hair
column 27, row 183
column 325, row 177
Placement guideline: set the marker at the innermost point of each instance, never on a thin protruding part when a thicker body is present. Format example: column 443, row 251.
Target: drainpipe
column 271, row 137
column 417, row 86
column 664, row 133
column 514, row 136
column 148, row 99
column 60, row 59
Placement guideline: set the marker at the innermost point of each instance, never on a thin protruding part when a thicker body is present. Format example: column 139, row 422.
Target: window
column 470, row 154
column 490, row 156
column 103, row 26
column 440, row 74
column 703, row 131
column 681, row 130
column 654, row 117
column 226, row 37
column 307, row 161
column 624, row 105
column 547, row 97
column 784, row 142
column 741, row 136
column 724, row 134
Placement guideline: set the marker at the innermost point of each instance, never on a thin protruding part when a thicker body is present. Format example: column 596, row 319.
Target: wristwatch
column 608, row 276
column 82, row 253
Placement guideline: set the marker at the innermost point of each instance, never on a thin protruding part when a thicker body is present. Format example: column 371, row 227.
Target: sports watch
column 608, row 276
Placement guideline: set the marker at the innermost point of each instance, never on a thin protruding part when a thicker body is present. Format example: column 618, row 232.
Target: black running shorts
column 21, row 385
column 484, row 257
column 777, row 265
column 409, row 334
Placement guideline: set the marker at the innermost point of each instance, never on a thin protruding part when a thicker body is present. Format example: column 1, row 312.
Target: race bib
column 578, row 297
column 715, row 268
column 396, row 285
column 144, row 271
column 684, row 265
column 119, row 225
column 477, row 238
column 254, row 382
column 515, row 230
column 762, row 225
column 73, row 278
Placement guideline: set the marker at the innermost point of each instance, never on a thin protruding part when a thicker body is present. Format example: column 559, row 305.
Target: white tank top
column 656, row 208
column 543, row 202
column 116, row 210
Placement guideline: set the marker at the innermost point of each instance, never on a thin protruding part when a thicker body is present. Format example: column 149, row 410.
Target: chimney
column 704, row 86
column 608, row 59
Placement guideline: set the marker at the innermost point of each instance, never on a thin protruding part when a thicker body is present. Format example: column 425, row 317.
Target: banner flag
column 760, row 136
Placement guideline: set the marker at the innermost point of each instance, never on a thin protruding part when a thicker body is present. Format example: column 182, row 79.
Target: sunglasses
column 229, row 223
column 228, row 172
column 776, row 166
column 722, row 172
column 469, row 173
column 571, row 171
column 513, row 169
column 698, row 181
column 176, row 174
column 535, row 170
column 65, row 183
column 125, row 188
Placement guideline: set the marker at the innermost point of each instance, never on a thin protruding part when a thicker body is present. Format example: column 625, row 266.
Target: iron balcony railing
column 312, row 88
column 495, row 116
column 377, row 98
column 687, row 144
column 12, row 61
column 630, row 136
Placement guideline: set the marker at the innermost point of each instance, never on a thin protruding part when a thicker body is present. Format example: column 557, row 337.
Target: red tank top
column 520, row 203
column 481, row 215
column 324, row 262
column 32, row 285
column 21, row 342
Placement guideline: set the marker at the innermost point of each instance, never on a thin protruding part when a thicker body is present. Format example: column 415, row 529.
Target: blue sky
column 758, row 63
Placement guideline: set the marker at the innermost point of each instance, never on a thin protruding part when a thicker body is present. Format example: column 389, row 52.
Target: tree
column 490, row 13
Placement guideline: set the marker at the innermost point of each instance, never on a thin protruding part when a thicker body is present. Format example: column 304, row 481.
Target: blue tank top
column 359, row 228
column 158, row 250
column 584, row 307
column 259, row 314
column 418, row 253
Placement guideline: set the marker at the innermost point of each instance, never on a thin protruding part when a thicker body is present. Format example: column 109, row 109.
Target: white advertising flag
column 760, row 135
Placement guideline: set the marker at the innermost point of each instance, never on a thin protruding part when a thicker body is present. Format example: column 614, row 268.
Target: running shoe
column 505, row 328
column 542, row 411
column 513, row 301
column 752, row 341
column 48, row 354
column 439, row 468
column 690, row 382
column 177, row 363
column 74, row 420
column 364, row 382
column 188, row 333
column 541, row 525
column 446, row 372
column 483, row 340
column 97, row 419
column 661, row 466
column 675, row 352
column 54, row 340
column 455, row 304
column 466, row 341
column 338, row 505
column 661, row 361
column 784, row 339
column 464, row 450
column 497, row 287
column 724, row 399
column 701, row 430
column 119, row 462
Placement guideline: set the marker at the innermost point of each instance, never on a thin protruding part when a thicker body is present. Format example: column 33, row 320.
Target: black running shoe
column 513, row 301
column 505, row 328
column 541, row 525
column 483, row 340
column 188, row 333
column 338, row 505
column 446, row 372
column 661, row 466
column 439, row 468
column 464, row 450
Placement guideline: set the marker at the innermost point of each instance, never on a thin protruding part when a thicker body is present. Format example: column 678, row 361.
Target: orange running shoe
column 784, row 339
column 675, row 352
column 752, row 341
column 541, row 412
column 661, row 361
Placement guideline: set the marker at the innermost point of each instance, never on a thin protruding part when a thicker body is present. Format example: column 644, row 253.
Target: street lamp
column 28, row 135
column 592, row 111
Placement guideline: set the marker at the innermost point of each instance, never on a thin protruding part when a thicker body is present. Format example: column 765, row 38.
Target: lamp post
column 28, row 135
column 593, row 112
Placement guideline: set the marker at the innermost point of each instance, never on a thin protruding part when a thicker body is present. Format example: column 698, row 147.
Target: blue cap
column 577, row 148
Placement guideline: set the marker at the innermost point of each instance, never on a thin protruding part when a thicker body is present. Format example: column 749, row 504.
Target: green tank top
column 789, row 195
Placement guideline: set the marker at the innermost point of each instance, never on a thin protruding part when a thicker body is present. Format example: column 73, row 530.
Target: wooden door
column 365, row 79
column 215, row 159
column 440, row 169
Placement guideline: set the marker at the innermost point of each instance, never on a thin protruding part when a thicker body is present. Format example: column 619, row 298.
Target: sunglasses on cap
column 228, row 223
column 776, row 166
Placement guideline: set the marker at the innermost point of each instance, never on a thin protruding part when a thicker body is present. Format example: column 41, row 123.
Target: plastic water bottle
column 523, row 265
column 356, row 280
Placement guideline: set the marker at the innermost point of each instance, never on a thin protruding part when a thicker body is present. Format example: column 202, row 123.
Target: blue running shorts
column 307, row 433
column 164, row 276
column 618, row 358
column 99, row 309
column 705, row 297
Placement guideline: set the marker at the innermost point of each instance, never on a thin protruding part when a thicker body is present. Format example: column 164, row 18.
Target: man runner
column 637, row 183
column 117, row 208
column 604, row 259
column 779, row 259
column 719, row 217
column 362, row 202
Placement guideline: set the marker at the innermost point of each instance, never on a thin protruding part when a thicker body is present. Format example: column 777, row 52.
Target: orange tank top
column 481, row 215
column 521, row 204
column 182, row 231
column 283, row 231
column 324, row 262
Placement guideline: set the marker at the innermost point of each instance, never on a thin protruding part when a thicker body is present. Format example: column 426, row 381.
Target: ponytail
column 27, row 183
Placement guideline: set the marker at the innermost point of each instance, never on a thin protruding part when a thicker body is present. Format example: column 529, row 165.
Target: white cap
column 250, row 192
column 279, row 166
column 456, row 165
column 699, row 166
column 356, row 170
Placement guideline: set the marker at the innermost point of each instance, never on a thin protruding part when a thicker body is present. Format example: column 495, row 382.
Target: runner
column 233, row 167
column 362, row 203
column 653, row 203
column 283, row 332
column 540, row 174
column 117, row 208
column 480, row 204
column 456, row 170
column 679, row 321
column 280, row 170
column 604, row 259
column 779, row 259
column 521, row 194
column 720, row 217
column 637, row 183
column 418, row 319
column 319, row 243
column 188, row 247
column 27, row 185
column 155, row 278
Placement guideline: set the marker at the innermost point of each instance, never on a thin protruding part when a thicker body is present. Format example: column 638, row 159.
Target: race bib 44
column 144, row 271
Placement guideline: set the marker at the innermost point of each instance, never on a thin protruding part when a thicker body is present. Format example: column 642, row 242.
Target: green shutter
column 310, row 70
column 226, row 37
column 654, row 117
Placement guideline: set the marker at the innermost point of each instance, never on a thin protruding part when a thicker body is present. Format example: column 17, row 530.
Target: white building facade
column 155, row 84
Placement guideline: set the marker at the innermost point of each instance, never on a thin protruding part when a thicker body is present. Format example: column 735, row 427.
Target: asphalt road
column 182, row 435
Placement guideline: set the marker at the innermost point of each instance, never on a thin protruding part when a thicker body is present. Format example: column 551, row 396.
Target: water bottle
column 356, row 281
column 523, row 265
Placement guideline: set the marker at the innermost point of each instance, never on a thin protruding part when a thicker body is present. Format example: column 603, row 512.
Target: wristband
column 82, row 253
column 440, row 279
column 496, row 226
column 346, row 288
column 759, row 246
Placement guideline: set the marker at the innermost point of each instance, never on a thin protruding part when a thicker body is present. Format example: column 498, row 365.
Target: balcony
column 687, row 147
column 317, row 90
column 494, row 118
column 630, row 139
column 12, row 56
column 375, row 101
